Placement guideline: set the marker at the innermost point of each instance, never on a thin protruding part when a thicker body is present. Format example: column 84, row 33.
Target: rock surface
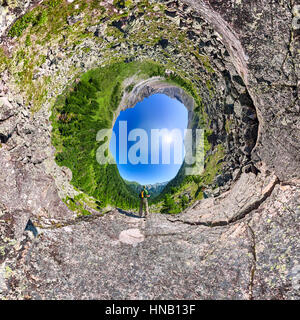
column 242, row 244
column 121, row 256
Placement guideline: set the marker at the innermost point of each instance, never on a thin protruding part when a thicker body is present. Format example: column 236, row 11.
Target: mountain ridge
column 154, row 189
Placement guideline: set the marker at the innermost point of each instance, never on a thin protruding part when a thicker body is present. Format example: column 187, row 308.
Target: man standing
column 144, row 194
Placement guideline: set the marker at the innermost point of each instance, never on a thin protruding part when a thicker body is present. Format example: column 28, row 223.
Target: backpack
column 142, row 194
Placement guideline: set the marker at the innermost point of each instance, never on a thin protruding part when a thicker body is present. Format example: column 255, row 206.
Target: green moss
column 144, row 6
column 31, row 18
column 206, row 63
column 35, row 91
column 8, row 272
column 4, row 60
column 43, row 59
column 38, row 95
column 86, row 49
column 212, row 166
column 28, row 41
column 76, row 204
column 130, row 87
column 210, row 88
column 114, row 32
column 228, row 125
column 128, row 3
column 42, row 18
column 21, row 25
column 119, row 3
column 122, row 4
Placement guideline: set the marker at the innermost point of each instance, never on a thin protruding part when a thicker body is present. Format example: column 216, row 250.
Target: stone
column 131, row 236
column 6, row 109
column 74, row 19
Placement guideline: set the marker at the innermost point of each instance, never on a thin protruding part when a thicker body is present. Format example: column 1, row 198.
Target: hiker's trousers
column 144, row 204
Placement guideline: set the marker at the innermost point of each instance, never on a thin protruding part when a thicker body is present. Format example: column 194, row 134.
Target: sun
column 168, row 138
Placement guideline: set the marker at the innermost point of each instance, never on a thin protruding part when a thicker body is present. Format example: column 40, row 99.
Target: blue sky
column 156, row 112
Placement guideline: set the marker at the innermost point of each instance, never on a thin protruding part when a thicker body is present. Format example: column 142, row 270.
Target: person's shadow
column 129, row 214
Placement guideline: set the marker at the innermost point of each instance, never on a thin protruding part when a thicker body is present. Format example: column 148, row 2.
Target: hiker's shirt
column 144, row 194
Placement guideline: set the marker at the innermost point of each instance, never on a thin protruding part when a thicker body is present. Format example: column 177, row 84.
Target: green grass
column 170, row 206
column 21, row 25
column 79, row 114
column 212, row 167
column 89, row 106
column 191, row 184
column 4, row 60
column 76, row 205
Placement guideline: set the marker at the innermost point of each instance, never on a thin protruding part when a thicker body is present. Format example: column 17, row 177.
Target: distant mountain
column 154, row 189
